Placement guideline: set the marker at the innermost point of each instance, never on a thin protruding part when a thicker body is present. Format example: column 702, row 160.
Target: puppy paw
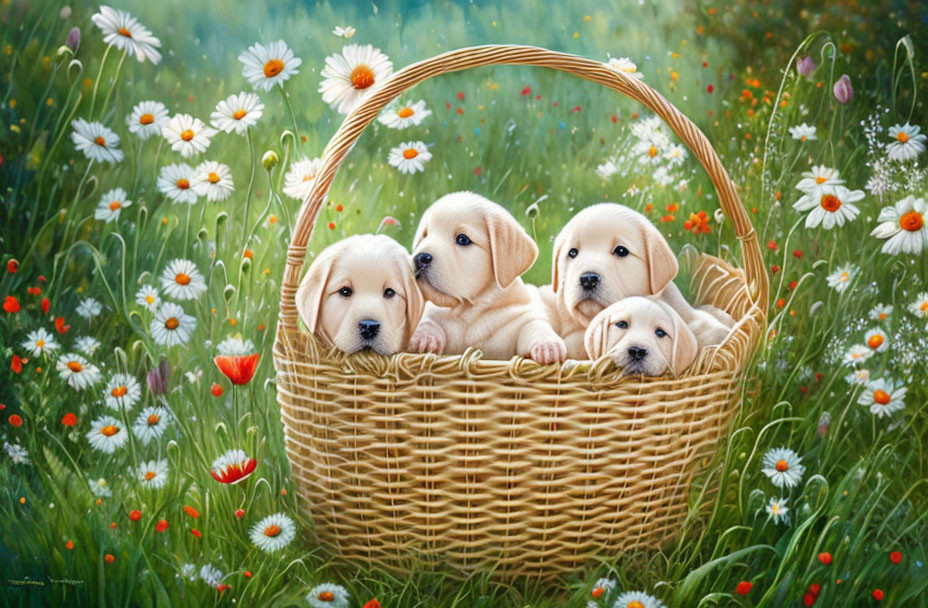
column 427, row 339
column 551, row 351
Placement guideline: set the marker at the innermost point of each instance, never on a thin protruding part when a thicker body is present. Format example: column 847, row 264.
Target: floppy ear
column 511, row 248
column 556, row 259
column 594, row 339
column 420, row 230
column 415, row 303
column 312, row 289
column 662, row 263
column 685, row 349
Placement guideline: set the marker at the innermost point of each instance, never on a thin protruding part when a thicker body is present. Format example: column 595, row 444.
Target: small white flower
column 122, row 30
column 299, row 180
column 402, row 115
column 266, row 66
column 77, row 371
column 919, row 307
column 346, row 31
column 187, row 135
column 237, row 113
column 624, row 65
column 182, row 281
column 122, row 392
column 841, row 278
column 99, row 488
column 40, row 341
column 637, row 599
column 877, row 340
column 907, row 143
column 857, row 354
column 675, row 155
column 147, row 118
column 89, row 308
column 148, row 297
column 86, row 345
column 883, row 397
column 859, row 377
column 17, row 453
column 881, row 312
column 778, row 511
column 151, row 424
column 153, row 474
column 273, row 533
column 349, row 76
column 176, row 182
column 607, row 169
column 211, row 576
column 904, row 225
column 98, row 143
column 171, row 325
column 107, row 434
column 409, row 157
column 328, row 595
column 784, row 467
column 803, row 132
column 235, row 346
column 111, row 203
column 830, row 206
column 820, row 175
column 214, row 181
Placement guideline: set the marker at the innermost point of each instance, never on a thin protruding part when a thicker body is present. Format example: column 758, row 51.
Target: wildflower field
column 153, row 157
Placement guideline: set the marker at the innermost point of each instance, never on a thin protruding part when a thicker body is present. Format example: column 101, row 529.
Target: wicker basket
column 460, row 464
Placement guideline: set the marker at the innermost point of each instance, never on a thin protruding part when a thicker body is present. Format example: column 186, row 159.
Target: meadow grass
column 863, row 493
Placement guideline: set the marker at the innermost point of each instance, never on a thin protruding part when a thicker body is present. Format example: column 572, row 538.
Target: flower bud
column 74, row 39
column 805, row 66
column 269, row 160
column 158, row 378
column 843, row 89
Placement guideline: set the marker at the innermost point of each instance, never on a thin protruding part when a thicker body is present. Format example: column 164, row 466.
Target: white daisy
column 877, row 340
column 650, row 150
column 273, row 533
column 182, row 281
column 187, row 135
column 106, row 434
column 111, row 203
column 213, row 180
column 907, row 143
column 122, row 30
column 637, row 599
column 89, row 308
column 148, row 297
column 784, row 467
column 777, row 510
column 605, row 585
column 147, row 118
column 153, row 474
column 831, row 206
column 17, row 453
column 625, row 65
column 237, row 113
column 350, row 75
column 904, row 225
column 299, row 180
column 919, row 307
column 841, row 278
column 266, row 66
column 883, row 397
column 99, row 487
column 176, row 182
column 857, row 354
column 77, row 371
column 235, row 346
column 211, row 576
column 402, row 115
column 675, row 155
column 346, row 31
column 651, row 129
column 820, row 175
column 171, row 325
column 151, row 424
column 409, row 157
column 803, row 132
column 86, row 345
column 859, row 377
column 40, row 341
column 881, row 312
column 97, row 142
column 122, row 392
column 328, row 595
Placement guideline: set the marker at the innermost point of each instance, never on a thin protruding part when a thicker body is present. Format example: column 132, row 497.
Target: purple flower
column 843, row 89
column 805, row 66
column 158, row 378
column 74, row 39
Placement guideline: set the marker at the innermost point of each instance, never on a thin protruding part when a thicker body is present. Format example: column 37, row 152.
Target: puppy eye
column 660, row 333
column 622, row 324
column 572, row 253
column 462, row 240
column 388, row 293
column 620, row 251
column 345, row 292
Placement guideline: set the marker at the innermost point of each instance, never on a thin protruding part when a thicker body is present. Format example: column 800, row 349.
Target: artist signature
column 29, row 582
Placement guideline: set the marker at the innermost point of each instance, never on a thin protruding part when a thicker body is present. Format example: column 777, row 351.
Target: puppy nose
column 422, row 260
column 368, row 329
column 589, row 280
column 637, row 353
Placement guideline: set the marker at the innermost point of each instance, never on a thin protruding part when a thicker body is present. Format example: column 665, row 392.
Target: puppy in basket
column 360, row 294
column 469, row 254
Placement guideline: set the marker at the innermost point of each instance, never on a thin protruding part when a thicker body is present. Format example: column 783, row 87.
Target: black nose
column 589, row 280
column 637, row 353
column 422, row 260
column 368, row 329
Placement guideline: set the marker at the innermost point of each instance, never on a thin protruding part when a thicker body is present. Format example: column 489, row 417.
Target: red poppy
column 895, row 557
column 45, row 305
column 744, row 587
column 109, row 558
column 191, row 511
column 41, row 279
column 239, row 369
column 15, row 420
column 239, row 513
column 216, row 389
column 222, row 587
column 797, row 254
column 162, row 525
column 60, row 326
column 772, row 245
column 11, row 305
column 233, row 467
column 825, row 558
column 33, row 291
column 247, row 574
column 135, row 515
column 774, row 269
column 12, row 266
column 808, row 599
column 69, row 419
column 878, row 595
column 526, row 91
column 814, row 589
column 16, row 364
column 372, row 604
column 196, row 533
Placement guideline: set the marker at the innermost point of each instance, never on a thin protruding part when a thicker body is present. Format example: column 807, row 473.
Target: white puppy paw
column 550, row 351
column 427, row 338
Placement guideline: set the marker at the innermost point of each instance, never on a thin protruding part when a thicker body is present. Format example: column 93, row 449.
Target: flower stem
column 109, row 93
column 96, row 83
column 296, row 129
column 251, row 181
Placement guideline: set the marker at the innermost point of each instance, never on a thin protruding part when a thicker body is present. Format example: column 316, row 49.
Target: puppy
column 360, row 293
column 469, row 254
column 643, row 336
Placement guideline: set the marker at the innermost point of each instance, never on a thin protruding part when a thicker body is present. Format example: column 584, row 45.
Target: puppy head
column 643, row 336
column 360, row 293
column 605, row 253
column 466, row 244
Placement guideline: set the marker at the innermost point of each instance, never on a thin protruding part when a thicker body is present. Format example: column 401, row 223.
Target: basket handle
column 479, row 56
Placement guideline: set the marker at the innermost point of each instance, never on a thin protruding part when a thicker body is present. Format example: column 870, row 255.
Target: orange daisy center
column 831, row 203
column 273, row 68
column 405, row 112
column 821, row 180
column 186, row 134
column 75, row 367
column 99, row 140
column 150, row 475
column 781, row 465
column 635, row 604
column 40, row 343
column 182, row 279
column 924, row 306
column 172, row 323
column 119, row 391
column 362, row 77
column 912, row 221
column 326, row 596
column 875, row 341
column 146, row 119
column 109, row 430
column 115, row 205
column 410, row 153
column 125, row 32
column 212, row 178
column 882, row 397
column 652, row 151
column 902, row 137
column 154, row 419
column 183, row 184
column 272, row 531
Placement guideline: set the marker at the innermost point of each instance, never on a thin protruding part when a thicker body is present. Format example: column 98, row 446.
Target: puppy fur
column 469, row 254
column 643, row 336
column 361, row 293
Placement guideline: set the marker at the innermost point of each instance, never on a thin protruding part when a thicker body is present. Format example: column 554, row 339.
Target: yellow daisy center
column 146, row 119
column 635, row 604
column 924, row 306
column 652, row 151
column 172, row 323
column 183, row 184
column 830, row 203
column 902, row 136
column 882, row 397
column 912, row 221
column 821, row 180
column 410, row 153
column 272, row 531
column 40, row 343
column 182, row 279
column 212, row 178
column 875, row 341
column 362, row 77
column 804, row 137
column 109, row 430
column 405, row 112
column 273, row 68
column 119, row 391
column 239, row 114
column 186, row 134
column 150, row 300
column 844, row 277
column 115, row 205
column 75, row 367
column 154, row 419
column 781, row 465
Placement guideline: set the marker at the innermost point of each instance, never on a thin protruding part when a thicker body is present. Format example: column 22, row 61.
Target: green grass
column 863, row 494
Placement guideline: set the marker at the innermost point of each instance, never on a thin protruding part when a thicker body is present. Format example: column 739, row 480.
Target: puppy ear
column 556, row 259
column 420, row 230
column 312, row 289
column 662, row 263
column 685, row 348
column 511, row 248
column 415, row 303
column 594, row 339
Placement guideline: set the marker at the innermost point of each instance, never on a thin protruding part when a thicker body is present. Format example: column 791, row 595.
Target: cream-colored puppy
column 469, row 254
column 643, row 336
column 361, row 293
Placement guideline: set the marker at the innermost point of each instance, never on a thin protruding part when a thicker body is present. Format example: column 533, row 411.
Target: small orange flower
column 69, row 545
column 191, row 511
column 238, row 369
column 69, row 419
column 161, row 526
column 109, row 558
column 196, row 533
column 135, row 515
column 16, row 420
column 216, row 390
column 698, row 223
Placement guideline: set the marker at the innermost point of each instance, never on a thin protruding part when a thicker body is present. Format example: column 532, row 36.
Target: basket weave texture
column 459, row 464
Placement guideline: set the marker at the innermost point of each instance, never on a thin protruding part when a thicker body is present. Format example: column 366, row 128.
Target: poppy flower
column 233, row 467
column 246, row 574
column 196, row 533
column 191, row 511
column 878, row 595
column 239, row 513
column 11, row 305
column 744, row 587
column 239, row 369
column 69, row 419
column 372, row 604
column 895, row 557
column 216, row 389
column 60, row 327
column 45, row 305
column 15, row 420
column 825, row 558
column 808, row 599
column 16, row 364
column 222, row 587
column 33, row 291
column 161, row 526
column 135, row 515
column 109, row 558
column 12, row 266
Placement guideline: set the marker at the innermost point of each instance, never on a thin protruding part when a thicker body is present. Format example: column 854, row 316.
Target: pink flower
column 805, row 66
column 843, row 89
